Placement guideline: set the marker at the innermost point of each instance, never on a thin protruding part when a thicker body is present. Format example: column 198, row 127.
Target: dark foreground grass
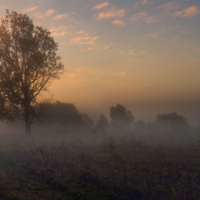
column 109, row 170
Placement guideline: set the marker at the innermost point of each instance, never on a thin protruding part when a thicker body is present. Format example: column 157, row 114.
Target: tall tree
column 28, row 61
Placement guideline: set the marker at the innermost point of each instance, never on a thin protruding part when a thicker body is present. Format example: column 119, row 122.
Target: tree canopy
column 62, row 113
column 173, row 120
column 28, row 61
column 120, row 116
column 88, row 123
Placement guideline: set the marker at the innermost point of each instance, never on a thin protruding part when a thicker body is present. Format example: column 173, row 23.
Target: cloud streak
column 80, row 32
column 38, row 15
column 78, row 75
column 111, row 13
column 143, row 16
column 49, row 12
column 30, row 9
column 84, row 39
column 118, row 22
column 189, row 12
column 60, row 31
column 100, row 6
column 138, row 16
column 46, row 14
column 57, row 17
column 170, row 6
column 144, row 2
column 58, row 34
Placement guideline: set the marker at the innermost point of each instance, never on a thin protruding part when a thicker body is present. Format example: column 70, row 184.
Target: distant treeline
column 66, row 114
column 66, row 118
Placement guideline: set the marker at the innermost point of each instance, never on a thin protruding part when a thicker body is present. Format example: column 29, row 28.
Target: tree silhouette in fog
column 88, row 123
column 28, row 61
column 120, row 116
column 61, row 114
column 140, row 124
column 173, row 120
column 102, row 124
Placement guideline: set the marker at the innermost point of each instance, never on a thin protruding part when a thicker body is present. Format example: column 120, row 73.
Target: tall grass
column 55, row 167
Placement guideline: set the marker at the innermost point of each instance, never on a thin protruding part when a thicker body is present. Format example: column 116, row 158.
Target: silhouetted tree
column 172, row 120
column 102, row 124
column 62, row 114
column 38, row 111
column 88, row 123
column 28, row 61
column 120, row 116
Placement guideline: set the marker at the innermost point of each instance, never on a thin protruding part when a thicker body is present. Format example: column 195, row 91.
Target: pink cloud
column 60, row 16
column 60, row 31
column 46, row 14
column 63, row 33
column 85, row 39
column 58, row 34
column 80, row 32
column 38, row 15
column 138, row 16
column 30, row 9
column 144, row 2
column 111, row 13
column 100, row 6
column 78, row 75
column 49, row 12
column 189, row 12
column 118, row 22
column 170, row 6
column 143, row 16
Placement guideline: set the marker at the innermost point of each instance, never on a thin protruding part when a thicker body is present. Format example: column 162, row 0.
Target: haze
column 141, row 54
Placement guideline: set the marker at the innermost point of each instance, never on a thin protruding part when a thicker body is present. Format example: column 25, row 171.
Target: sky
column 142, row 54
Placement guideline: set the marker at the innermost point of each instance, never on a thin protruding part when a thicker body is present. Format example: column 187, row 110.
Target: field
column 55, row 167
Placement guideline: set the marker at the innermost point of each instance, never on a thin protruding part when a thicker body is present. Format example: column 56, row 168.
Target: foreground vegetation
column 44, row 167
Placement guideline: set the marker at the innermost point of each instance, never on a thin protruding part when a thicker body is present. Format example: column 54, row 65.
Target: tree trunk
column 27, row 119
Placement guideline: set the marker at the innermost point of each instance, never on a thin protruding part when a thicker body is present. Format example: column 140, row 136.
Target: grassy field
column 52, row 167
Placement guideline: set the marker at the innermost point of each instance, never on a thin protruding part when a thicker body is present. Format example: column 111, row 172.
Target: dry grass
column 51, row 167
